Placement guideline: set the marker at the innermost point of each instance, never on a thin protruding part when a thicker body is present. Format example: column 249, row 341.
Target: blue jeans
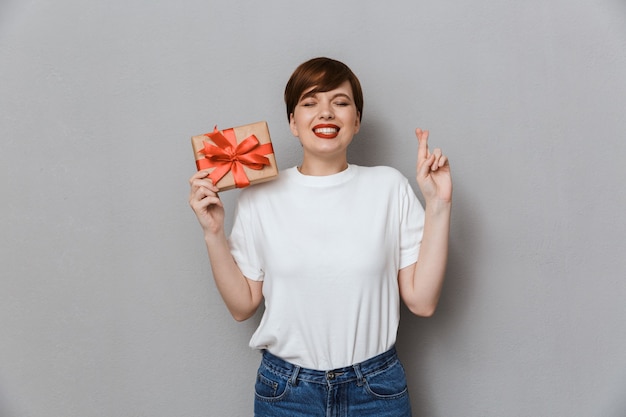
column 376, row 387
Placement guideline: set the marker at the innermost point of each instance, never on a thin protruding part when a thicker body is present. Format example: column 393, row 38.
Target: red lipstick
column 326, row 131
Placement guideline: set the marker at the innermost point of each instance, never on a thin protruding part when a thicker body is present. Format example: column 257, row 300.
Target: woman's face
column 325, row 122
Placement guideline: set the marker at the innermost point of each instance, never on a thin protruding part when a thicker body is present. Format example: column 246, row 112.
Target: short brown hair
column 323, row 74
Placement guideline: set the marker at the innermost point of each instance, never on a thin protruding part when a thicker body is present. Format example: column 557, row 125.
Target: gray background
column 107, row 305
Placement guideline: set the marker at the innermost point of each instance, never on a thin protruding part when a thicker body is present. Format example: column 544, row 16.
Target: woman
column 332, row 248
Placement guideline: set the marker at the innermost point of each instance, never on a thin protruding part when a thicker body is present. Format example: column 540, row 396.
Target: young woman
column 332, row 248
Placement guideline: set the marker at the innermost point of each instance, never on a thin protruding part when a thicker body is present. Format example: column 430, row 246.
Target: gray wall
column 107, row 305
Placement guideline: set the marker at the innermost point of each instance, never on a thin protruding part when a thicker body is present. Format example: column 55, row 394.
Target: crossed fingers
column 434, row 160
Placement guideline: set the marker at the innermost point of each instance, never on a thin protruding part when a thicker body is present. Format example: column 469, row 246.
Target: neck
column 322, row 168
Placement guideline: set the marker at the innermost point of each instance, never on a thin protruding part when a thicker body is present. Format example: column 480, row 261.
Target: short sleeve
column 243, row 241
column 411, row 225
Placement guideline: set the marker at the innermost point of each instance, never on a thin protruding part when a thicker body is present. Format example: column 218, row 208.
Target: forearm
column 235, row 289
column 423, row 284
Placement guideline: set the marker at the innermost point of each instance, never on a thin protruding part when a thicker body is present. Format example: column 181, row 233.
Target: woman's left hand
column 433, row 171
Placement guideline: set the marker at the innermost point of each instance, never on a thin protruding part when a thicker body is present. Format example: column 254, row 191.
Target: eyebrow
column 313, row 93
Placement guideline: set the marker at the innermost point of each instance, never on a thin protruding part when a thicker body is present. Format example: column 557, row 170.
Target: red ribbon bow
column 230, row 156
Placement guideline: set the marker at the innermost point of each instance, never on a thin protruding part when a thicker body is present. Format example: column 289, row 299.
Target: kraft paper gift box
column 237, row 157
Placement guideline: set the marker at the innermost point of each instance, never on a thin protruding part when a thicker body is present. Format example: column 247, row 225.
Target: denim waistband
column 336, row 376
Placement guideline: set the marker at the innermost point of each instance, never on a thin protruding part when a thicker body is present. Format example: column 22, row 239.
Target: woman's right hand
column 206, row 203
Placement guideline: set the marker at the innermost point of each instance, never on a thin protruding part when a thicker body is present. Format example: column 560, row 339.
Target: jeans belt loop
column 293, row 380
column 360, row 379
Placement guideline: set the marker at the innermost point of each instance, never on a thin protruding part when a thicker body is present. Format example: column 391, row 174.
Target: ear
column 292, row 126
column 357, row 126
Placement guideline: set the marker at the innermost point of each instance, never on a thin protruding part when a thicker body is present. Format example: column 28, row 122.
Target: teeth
column 326, row 130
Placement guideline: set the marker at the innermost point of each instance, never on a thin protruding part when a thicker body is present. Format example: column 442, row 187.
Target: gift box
column 237, row 157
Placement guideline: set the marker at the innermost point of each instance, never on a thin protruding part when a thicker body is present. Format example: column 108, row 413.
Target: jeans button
column 330, row 375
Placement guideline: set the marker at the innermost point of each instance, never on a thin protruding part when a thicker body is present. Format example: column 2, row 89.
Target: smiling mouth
column 326, row 131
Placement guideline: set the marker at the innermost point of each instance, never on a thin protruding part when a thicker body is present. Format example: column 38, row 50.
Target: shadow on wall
column 5, row 409
column 366, row 148
column 421, row 338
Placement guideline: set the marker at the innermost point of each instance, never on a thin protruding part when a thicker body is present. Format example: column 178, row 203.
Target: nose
column 326, row 111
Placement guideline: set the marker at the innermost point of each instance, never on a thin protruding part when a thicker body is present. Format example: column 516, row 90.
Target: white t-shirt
column 329, row 250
